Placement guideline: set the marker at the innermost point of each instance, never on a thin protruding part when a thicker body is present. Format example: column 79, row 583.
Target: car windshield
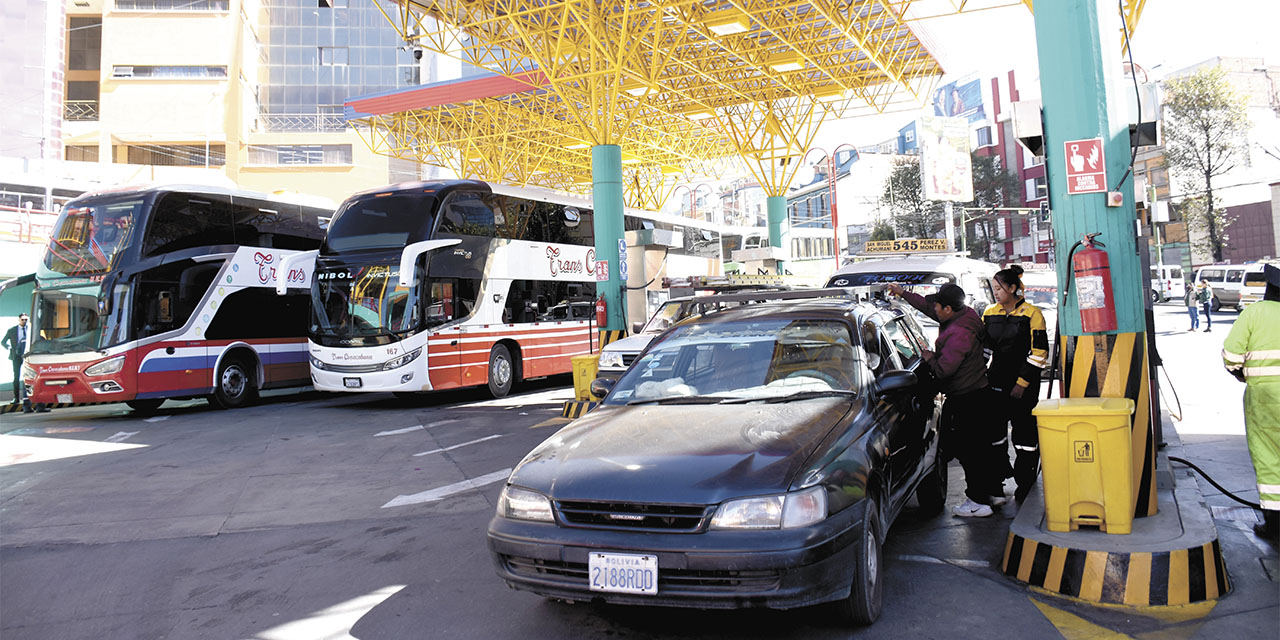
column 743, row 359
column 664, row 317
column 362, row 301
column 88, row 236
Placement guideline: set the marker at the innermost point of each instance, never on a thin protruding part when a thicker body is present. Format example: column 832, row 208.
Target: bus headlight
column 611, row 360
column 28, row 373
column 113, row 365
column 396, row 363
column 315, row 362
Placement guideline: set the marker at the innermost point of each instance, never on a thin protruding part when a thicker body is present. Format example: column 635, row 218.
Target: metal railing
column 80, row 110
column 303, row 121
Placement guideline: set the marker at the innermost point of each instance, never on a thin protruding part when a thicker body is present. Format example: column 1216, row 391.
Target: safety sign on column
column 1086, row 166
column 622, row 259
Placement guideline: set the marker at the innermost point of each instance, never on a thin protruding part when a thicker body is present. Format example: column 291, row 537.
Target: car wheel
column 863, row 605
column 234, row 385
column 1155, row 297
column 501, row 371
column 148, row 405
column 931, row 493
column 1216, row 304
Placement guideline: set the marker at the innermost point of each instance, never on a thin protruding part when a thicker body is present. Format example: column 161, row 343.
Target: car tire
column 1155, row 297
column 234, row 385
column 931, row 493
column 865, row 600
column 502, row 371
column 1216, row 305
column 145, row 406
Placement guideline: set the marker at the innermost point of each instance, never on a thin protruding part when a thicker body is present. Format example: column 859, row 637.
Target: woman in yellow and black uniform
column 1019, row 346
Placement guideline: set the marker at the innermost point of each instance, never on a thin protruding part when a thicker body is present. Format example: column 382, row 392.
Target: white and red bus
column 448, row 284
column 169, row 292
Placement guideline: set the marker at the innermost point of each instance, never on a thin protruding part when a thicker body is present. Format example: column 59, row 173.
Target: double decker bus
column 146, row 294
column 448, row 284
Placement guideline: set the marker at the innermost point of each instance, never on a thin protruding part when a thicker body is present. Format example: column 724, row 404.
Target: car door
column 1232, row 287
column 917, row 424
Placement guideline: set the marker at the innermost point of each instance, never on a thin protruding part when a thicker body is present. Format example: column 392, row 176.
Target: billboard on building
column 960, row 99
column 946, row 171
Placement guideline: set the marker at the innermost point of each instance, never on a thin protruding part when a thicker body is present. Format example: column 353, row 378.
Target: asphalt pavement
column 329, row 516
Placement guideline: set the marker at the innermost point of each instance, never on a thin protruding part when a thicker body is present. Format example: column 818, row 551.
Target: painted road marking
column 24, row 449
column 335, row 622
column 440, row 493
column 121, row 436
column 456, row 446
column 1073, row 627
column 959, row 562
column 156, row 419
column 397, row 432
column 551, row 422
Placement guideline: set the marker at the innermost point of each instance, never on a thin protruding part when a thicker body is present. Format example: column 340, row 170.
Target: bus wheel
column 501, row 371
column 233, row 387
column 148, row 405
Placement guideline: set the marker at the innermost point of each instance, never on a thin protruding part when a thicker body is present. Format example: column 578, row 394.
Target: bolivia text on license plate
column 623, row 573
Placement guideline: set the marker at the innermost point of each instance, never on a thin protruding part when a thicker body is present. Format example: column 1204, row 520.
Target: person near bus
column 1204, row 295
column 1018, row 341
column 968, row 426
column 1251, row 353
column 1193, row 306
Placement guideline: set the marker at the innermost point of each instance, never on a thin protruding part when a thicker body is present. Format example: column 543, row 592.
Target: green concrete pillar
column 1080, row 74
column 609, row 207
column 779, row 227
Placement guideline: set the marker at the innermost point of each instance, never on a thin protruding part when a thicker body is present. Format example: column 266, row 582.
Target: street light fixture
column 831, row 193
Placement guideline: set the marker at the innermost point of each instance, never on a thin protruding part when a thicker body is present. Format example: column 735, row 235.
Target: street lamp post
column 831, row 194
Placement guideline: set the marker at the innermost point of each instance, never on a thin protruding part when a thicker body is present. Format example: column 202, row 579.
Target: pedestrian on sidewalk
column 15, row 340
column 1251, row 353
column 1018, row 340
column 1204, row 295
column 1193, row 306
column 968, row 424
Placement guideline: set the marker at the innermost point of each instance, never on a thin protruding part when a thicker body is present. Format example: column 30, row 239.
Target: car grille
column 633, row 515
column 352, row 368
column 628, row 358
column 669, row 580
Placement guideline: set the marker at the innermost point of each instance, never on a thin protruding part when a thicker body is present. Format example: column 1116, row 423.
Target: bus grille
column 631, row 515
column 353, row 368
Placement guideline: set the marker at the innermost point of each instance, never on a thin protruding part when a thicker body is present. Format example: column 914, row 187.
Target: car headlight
column 788, row 511
column 610, row 359
column 523, row 504
column 315, row 362
column 402, row 360
column 114, row 365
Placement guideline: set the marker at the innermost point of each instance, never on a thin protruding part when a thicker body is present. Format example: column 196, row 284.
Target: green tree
column 993, row 187
column 882, row 231
column 913, row 216
column 1204, row 135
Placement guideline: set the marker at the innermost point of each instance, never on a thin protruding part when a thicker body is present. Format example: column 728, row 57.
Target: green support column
column 1080, row 71
column 606, row 198
column 776, row 207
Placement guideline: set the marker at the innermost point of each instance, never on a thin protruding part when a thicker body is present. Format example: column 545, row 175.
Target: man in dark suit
column 15, row 340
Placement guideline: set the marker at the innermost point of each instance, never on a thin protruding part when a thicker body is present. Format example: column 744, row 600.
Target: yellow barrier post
column 1087, row 462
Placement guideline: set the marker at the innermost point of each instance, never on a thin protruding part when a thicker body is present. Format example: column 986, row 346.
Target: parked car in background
column 1166, row 283
column 1255, row 282
column 751, row 457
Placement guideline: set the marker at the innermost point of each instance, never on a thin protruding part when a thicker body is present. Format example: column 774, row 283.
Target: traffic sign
column 1086, row 166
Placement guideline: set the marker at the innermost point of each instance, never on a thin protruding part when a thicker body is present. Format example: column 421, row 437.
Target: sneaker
column 971, row 509
column 999, row 501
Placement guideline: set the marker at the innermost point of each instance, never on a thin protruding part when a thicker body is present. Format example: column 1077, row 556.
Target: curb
column 1149, row 567
column 17, row 408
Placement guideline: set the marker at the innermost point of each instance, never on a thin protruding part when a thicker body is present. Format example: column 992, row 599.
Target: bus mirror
column 290, row 263
column 104, row 305
column 410, row 255
column 572, row 217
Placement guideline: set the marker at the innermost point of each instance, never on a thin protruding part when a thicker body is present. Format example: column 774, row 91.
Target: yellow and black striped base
column 17, row 408
column 1180, row 576
column 577, row 408
column 1115, row 366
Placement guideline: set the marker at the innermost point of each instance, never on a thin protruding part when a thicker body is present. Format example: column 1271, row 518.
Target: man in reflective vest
column 1252, row 354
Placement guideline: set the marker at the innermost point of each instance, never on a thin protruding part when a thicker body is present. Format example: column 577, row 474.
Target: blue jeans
column 1195, row 316
column 1208, row 319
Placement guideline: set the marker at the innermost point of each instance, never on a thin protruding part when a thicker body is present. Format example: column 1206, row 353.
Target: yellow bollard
column 1087, row 463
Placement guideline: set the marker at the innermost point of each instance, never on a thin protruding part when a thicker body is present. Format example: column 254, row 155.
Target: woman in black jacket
column 1018, row 341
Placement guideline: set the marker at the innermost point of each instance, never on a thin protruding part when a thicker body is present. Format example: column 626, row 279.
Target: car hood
column 631, row 344
column 690, row 454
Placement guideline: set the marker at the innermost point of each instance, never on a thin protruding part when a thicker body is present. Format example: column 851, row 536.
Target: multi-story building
column 252, row 88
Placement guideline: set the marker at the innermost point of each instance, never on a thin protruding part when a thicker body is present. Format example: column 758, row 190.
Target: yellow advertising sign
column 906, row 245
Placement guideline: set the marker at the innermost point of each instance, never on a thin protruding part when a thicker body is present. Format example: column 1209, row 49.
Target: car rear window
column 1255, row 278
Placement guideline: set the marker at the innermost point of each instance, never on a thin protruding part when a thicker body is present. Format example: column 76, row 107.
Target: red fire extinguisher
column 602, row 312
column 1093, row 285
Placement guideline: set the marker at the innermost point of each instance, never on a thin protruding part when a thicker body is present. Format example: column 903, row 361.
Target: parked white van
column 1227, row 281
column 1167, row 283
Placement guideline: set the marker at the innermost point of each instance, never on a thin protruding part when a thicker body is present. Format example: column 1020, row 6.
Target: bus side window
column 181, row 221
column 469, row 214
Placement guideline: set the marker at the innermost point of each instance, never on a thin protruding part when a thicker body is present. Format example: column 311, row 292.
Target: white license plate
column 351, row 383
column 623, row 573
column 64, row 398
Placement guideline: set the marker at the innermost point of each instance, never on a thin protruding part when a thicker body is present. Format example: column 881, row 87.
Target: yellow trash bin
column 1087, row 463
column 584, row 371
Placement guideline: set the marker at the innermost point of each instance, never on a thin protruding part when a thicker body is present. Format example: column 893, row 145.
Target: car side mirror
column 600, row 387
column 895, row 380
column 636, row 327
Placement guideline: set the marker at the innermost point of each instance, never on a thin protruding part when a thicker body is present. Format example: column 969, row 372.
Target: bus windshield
column 66, row 320
column 381, row 221
column 88, row 237
column 362, row 301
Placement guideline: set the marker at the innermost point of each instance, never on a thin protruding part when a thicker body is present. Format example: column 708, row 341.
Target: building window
column 82, row 153
column 136, row 71
column 82, row 101
column 984, row 137
column 300, row 154
column 84, row 44
column 172, row 5
column 1037, row 188
column 331, row 56
column 178, row 155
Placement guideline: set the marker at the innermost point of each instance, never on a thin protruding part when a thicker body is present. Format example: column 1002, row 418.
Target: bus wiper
column 679, row 400
column 800, row 395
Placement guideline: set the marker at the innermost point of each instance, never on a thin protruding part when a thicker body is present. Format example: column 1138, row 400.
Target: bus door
column 444, row 345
